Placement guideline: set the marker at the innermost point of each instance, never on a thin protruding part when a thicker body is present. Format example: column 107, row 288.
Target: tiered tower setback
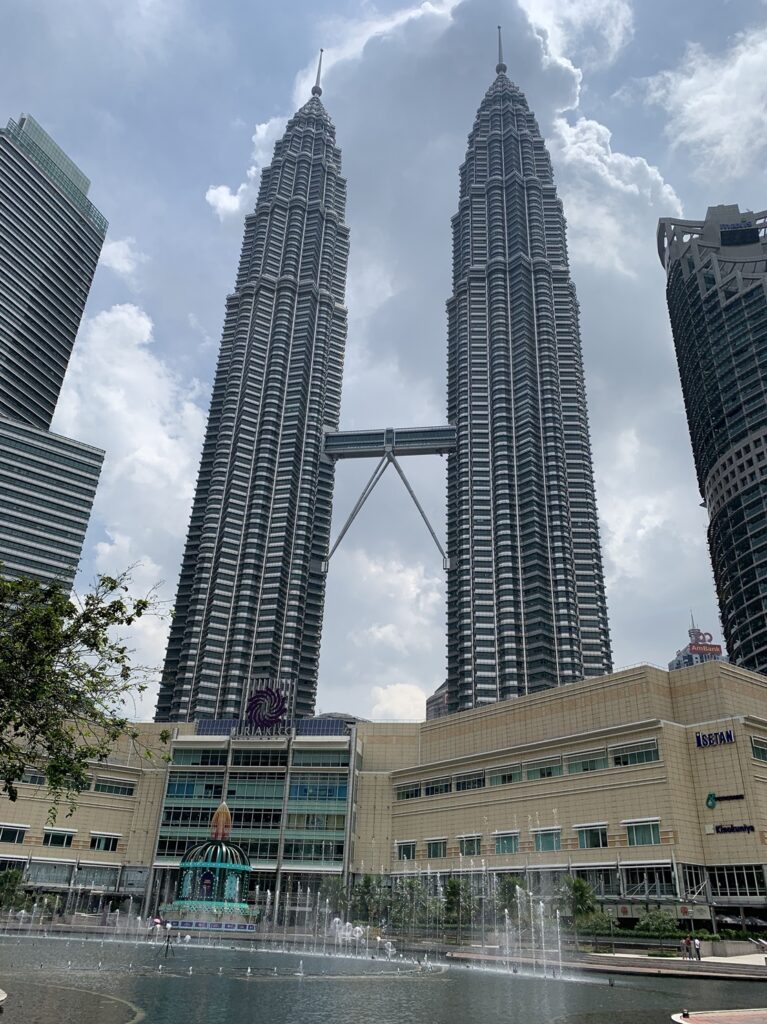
column 250, row 597
column 526, row 600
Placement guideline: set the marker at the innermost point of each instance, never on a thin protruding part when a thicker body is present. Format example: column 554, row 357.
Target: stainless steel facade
column 717, row 299
column 50, row 240
column 526, row 600
column 250, row 598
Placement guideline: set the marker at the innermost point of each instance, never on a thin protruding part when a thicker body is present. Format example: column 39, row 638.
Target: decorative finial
column 316, row 90
column 500, row 67
column 221, row 822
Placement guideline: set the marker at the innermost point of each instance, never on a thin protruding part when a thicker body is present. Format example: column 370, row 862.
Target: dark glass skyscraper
column 250, row 598
column 50, row 240
column 526, row 600
column 717, row 299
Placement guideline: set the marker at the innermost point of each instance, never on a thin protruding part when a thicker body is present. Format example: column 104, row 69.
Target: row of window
column 218, row 757
column 542, row 768
column 115, row 787
column 547, row 840
column 63, row 840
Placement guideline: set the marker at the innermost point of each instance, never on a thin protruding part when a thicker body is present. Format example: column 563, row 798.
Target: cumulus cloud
column 227, row 203
column 120, row 395
column 605, row 193
column 716, row 105
column 123, row 257
column 592, row 30
column 399, row 702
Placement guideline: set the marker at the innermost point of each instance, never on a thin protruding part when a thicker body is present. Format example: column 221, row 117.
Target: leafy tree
column 460, row 904
column 597, row 923
column 658, row 924
column 333, row 890
column 506, row 894
column 65, row 675
column 10, row 894
column 575, row 900
column 408, row 903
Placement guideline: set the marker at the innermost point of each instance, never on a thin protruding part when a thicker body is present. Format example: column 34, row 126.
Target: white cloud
column 717, row 105
column 121, row 396
column 399, row 702
column 123, row 257
column 227, row 203
column 596, row 29
column 605, row 194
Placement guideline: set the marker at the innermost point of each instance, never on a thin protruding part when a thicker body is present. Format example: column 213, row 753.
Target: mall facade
column 651, row 785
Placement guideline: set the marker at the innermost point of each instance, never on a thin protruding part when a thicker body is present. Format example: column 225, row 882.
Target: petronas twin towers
column 525, row 590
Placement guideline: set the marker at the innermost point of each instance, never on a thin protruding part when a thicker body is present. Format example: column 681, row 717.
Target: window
column 321, row 758
column 205, row 758
column 405, row 851
column 548, row 840
column 12, row 834
column 507, row 842
column 643, row 834
column 469, row 846
column 588, row 761
column 474, row 781
column 759, row 748
column 503, row 776
column 196, row 785
column 593, row 837
column 635, row 753
column 60, row 839
column 259, row 758
column 408, row 792
column 116, row 787
column 547, row 769
column 436, row 786
column 318, row 786
column 737, row 880
column 32, row 777
column 436, row 848
column 105, row 844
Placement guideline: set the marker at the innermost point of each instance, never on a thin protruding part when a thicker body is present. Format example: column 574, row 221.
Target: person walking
column 696, row 944
column 688, row 948
column 682, row 948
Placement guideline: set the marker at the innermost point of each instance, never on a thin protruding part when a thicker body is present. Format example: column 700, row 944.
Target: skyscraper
column 250, row 597
column 716, row 289
column 526, row 601
column 50, row 240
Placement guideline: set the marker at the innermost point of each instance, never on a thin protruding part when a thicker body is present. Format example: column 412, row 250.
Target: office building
column 717, row 298
column 699, row 649
column 47, row 486
column 250, row 599
column 526, row 605
column 50, row 240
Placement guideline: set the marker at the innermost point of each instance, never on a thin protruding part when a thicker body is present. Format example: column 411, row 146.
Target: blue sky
column 172, row 106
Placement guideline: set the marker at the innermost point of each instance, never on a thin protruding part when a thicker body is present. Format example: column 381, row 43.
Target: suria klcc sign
column 266, row 711
column 714, row 739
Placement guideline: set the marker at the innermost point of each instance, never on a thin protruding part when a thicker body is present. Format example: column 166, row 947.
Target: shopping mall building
column 651, row 785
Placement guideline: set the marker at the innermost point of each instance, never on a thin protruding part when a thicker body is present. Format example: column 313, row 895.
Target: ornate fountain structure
column 213, row 877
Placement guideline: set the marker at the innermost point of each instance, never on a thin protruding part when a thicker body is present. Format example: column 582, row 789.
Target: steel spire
column 316, row 89
column 500, row 67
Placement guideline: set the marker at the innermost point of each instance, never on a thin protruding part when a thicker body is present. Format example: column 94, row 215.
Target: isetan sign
column 714, row 739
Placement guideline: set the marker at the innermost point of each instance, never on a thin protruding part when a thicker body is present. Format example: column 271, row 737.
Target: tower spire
column 316, row 89
column 500, row 67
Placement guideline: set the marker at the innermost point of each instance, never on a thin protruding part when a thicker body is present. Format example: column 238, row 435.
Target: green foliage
column 333, row 890
column 658, row 924
column 506, row 895
column 408, row 908
column 65, row 674
column 597, row 923
column 575, row 898
column 11, row 897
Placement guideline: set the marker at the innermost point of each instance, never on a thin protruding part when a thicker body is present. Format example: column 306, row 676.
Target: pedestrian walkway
column 721, row 1017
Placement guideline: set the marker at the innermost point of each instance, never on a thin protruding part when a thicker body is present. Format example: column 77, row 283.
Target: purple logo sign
column 266, row 707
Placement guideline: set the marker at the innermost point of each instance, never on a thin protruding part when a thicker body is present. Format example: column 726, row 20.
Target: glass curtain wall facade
column 250, row 599
column 717, row 299
column 50, row 240
column 526, row 599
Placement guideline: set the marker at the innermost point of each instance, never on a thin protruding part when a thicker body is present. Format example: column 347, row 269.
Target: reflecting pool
column 75, row 981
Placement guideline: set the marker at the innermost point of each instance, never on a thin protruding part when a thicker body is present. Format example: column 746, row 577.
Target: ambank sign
column 714, row 739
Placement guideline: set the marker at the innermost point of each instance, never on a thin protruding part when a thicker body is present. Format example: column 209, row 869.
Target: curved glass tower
column 526, row 600
column 250, row 598
column 717, row 299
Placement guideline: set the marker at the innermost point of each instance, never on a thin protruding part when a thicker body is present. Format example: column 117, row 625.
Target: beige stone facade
column 652, row 785
column 107, row 844
column 603, row 778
